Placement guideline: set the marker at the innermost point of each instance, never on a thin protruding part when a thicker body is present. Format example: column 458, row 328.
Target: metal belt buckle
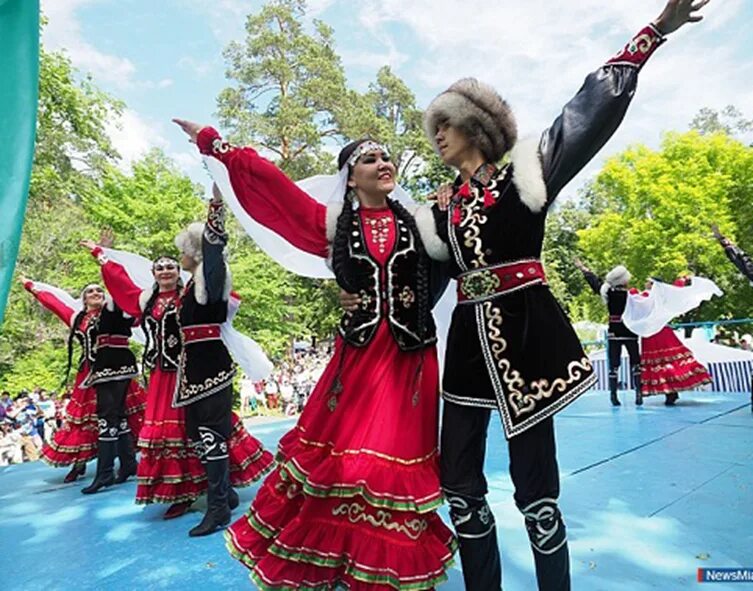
column 480, row 284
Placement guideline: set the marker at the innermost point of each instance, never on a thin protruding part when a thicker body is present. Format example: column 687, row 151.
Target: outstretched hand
column 190, row 128
column 90, row 245
column 677, row 13
column 716, row 232
column 107, row 238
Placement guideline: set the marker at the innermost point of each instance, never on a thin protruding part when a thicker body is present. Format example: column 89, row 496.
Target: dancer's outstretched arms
column 47, row 296
column 738, row 257
column 593, row 115
column 125, row 293
column 593, row 280
column 264, row 192
column 213, row 242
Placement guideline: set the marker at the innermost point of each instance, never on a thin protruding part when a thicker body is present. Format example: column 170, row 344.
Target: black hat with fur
column 479, row 112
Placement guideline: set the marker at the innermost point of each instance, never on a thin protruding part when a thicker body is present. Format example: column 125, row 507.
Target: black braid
column 340, row 248
column 71, row 338
column 147, row 310
column 422, row 268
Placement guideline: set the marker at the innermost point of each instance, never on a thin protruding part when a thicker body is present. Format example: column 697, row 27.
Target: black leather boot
column 105, row 463
column 546, row 530
column 637, row 385
column 233, row 500
column 477, row 537
column 218, row 509
column 127, row 457
column 613, row 389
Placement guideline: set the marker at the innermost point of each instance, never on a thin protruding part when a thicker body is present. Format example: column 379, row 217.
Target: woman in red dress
column 75, row 442
column 668, row 366
column 353, row 500
column 169, row 470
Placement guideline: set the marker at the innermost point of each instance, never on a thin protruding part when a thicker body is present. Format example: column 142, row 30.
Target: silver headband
column 364, row 148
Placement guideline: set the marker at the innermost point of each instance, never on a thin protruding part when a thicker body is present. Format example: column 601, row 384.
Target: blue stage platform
column 649, row 495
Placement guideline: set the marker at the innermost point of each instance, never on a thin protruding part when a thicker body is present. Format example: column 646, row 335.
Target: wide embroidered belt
column 201, row 332
column 112, row 341
column 480, row 284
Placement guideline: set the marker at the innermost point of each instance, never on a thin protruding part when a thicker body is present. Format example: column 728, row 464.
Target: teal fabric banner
column 19, row 68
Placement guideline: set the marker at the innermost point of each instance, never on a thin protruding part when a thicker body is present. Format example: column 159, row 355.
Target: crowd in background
column 288, row 387
column 26, row 420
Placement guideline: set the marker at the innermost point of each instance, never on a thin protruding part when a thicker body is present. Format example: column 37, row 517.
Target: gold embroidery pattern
column 407, row 297
column 290, row 488
column 642, row 43
column 380, row 231
column 473, row 218
column 355, row 512
column 523, row 398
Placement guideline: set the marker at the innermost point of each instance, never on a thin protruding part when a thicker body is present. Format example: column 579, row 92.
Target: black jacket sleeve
column 590, row 118
column 213, row 244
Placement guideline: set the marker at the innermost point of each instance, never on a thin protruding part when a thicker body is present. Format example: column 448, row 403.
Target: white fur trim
column 427, row 228
column 200, row 288
column 144, row 298
column 109, row 303
column 334, row 208
column 605, row 287
column 528, row 174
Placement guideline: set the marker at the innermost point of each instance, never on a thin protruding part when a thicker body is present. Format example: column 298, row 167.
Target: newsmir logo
column 725, row 575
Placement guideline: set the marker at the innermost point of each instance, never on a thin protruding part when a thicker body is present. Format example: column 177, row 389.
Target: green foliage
column 44, row 367
column 146, row 208
column 653, row 210
column 289, row 85
column 72, row 147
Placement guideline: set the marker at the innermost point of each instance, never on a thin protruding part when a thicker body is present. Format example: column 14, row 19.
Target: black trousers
column 208, row 424
column 111, row 415
column 614, row 349
column 535, row 475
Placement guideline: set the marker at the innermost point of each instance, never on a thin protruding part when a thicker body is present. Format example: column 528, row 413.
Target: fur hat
column 478, row 111
column 618, row 276
column 189, row 241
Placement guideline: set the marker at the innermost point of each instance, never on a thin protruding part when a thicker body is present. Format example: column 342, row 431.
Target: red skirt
column 354, row 498
column 668, row 366
column 169, row 471
column 76, row 440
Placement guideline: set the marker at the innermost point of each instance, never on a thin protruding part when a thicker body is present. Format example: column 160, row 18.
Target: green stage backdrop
column 19, row 77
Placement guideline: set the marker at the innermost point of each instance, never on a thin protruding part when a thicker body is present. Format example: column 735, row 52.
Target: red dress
column 353, row 500
column 76, row 440
column 169, row 471
column 667, row 365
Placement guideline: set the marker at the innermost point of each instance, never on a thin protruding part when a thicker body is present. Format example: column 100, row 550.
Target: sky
column 164, row 58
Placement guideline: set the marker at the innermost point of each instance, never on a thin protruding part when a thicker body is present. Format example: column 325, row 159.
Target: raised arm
column 594, row 114
column 593, row 280
column 51, row 299
column 738, row 257
column 265, row 193
column 213, row 244
column 124, row 292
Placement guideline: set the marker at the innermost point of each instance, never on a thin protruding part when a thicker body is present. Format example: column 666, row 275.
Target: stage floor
column 649, row 495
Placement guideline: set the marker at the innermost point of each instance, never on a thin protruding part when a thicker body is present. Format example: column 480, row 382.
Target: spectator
column 11, row 450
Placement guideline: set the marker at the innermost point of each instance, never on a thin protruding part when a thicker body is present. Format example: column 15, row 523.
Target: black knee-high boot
column 213, row 452
column 613, row 387
column 548, row 536
column 637, row 385
column 105, row 463
column 126, row 454
column 477, row 537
